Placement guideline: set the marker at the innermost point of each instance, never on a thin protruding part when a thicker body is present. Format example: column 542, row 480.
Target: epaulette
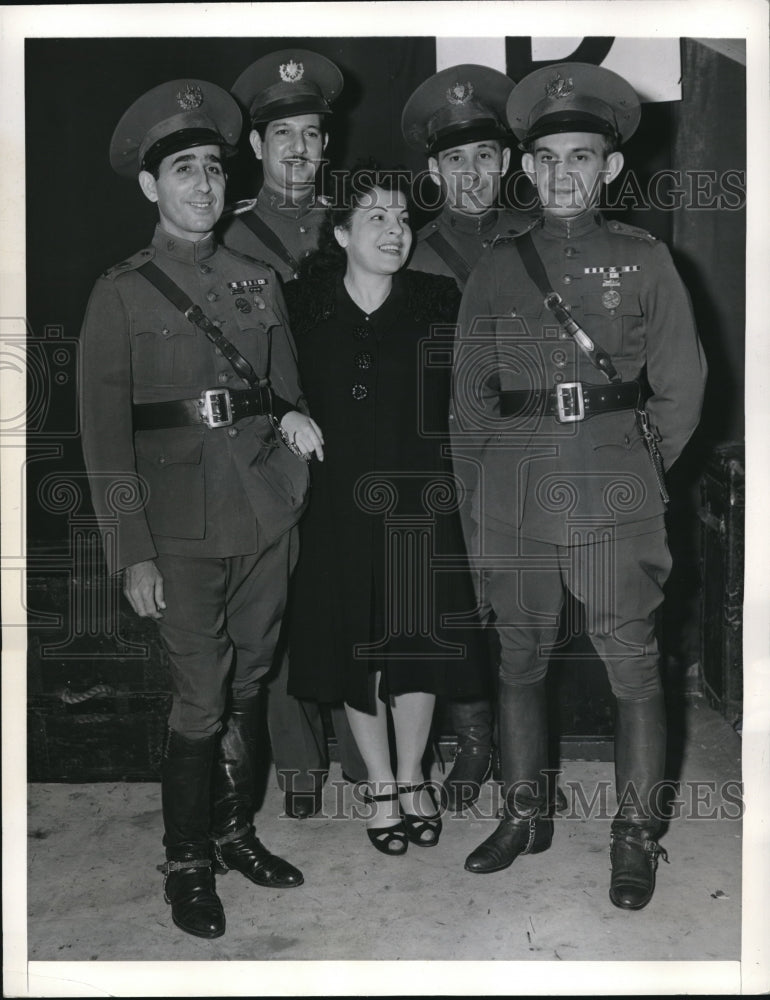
column 623, row 229
column 248, row 259
column 503, row 239
column 239, row 207
column 130, row 263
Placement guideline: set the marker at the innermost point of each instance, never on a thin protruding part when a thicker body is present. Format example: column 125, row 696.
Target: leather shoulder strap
column 269, row 237
column 457, row 264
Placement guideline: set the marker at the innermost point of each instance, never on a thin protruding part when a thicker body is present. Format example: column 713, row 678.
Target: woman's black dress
column 382, row 581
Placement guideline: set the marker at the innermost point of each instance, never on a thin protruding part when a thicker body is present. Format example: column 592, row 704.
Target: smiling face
column 378, row 237
column 291, row 153
column 569, row 170
column 471, row 174
column 189, row 191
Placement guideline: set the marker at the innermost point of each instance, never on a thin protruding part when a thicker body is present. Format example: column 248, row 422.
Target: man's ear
column 256, row 143
column 528, row 165
column 434, row 173
column 506, row 160
column 615, row 163
column 326, row 139
column 148, row 185
column 341, row 236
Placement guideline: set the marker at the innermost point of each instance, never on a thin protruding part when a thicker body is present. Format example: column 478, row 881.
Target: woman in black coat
column 383, row 609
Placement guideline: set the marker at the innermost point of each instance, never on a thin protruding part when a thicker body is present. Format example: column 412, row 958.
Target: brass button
column 569, row 251
column 360, row 391
column 567, row 279
column 232, row 432
column 361, row 332
column 363, row 360
column 303, row 229
column 212, row 296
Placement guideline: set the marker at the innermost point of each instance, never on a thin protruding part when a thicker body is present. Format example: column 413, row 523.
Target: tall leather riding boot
column 472, row 722
column 236, row 845
column 185, row 794
column 640, row 757
column 525, row 827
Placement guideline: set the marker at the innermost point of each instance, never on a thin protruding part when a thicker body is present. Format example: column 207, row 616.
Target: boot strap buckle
column 178, row 866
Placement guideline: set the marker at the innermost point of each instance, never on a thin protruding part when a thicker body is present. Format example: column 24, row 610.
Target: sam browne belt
column 213, row 408
column 570, row 401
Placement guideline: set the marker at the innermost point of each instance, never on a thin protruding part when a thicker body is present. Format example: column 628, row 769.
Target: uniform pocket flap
column 611, row 303
column 177, row 446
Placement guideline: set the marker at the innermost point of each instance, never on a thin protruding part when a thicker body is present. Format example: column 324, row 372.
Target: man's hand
column 143, row 586
column 304, row 433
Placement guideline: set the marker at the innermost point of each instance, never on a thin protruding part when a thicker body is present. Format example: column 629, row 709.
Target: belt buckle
column 570, row 405
column 217, row 408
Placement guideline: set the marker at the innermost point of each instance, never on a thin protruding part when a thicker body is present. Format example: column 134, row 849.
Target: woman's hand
column 304, row 433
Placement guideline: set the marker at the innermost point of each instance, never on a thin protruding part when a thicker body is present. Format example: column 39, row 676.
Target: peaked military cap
column 290, row 82
column 459, row 105
column 573, row 97
column 176, row 115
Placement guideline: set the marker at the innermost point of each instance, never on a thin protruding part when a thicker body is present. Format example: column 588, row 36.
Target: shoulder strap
column 177, row 297
column 269, row 237
column 536, row 270
column 458, row 266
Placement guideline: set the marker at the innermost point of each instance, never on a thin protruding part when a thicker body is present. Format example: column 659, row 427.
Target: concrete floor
column 94, row 895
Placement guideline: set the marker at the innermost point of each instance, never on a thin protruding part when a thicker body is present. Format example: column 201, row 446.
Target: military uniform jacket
column 185, row 490
column 467, row 235
column 295, row 225
column 559, row 481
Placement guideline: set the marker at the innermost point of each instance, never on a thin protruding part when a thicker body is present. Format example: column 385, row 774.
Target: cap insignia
column 190, row 98
column 459, row 93
column 291, row 71
column 559, row 87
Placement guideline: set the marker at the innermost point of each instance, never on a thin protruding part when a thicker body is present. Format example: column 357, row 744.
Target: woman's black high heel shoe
column 391, row 840
column 418, row 826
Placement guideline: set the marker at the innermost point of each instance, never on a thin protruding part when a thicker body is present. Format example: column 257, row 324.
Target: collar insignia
column 190, row 98
column 291, row 72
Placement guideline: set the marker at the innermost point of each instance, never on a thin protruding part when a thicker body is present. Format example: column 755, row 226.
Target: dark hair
column 353, row 189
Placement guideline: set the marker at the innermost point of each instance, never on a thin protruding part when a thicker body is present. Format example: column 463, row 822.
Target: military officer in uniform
column 173, row 442
column 457, row 118
column 288, row 96
column 578, row 380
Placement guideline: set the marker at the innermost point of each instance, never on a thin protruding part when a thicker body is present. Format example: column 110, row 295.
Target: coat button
column 363, row 360
column 170, row 245
column 360, row 391
column 567, row 279
column 162, row 460
column 303, row 229
column 361, row 332
column 569, row 251
column 232, row 432
column 212, row 296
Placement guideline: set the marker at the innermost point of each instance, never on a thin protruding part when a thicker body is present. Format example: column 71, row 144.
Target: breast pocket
column 164, row 351
column 615, row 319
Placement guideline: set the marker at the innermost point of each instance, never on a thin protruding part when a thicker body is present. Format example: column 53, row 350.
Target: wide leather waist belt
column 570, row 401
column 213, row 408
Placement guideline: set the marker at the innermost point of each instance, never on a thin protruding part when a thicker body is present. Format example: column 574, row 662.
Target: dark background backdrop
column 82, row 218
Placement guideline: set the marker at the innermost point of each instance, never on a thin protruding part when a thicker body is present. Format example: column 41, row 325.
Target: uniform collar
column 460, row 222
column 278, row 203
column 186, row 251
column 579, row 225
